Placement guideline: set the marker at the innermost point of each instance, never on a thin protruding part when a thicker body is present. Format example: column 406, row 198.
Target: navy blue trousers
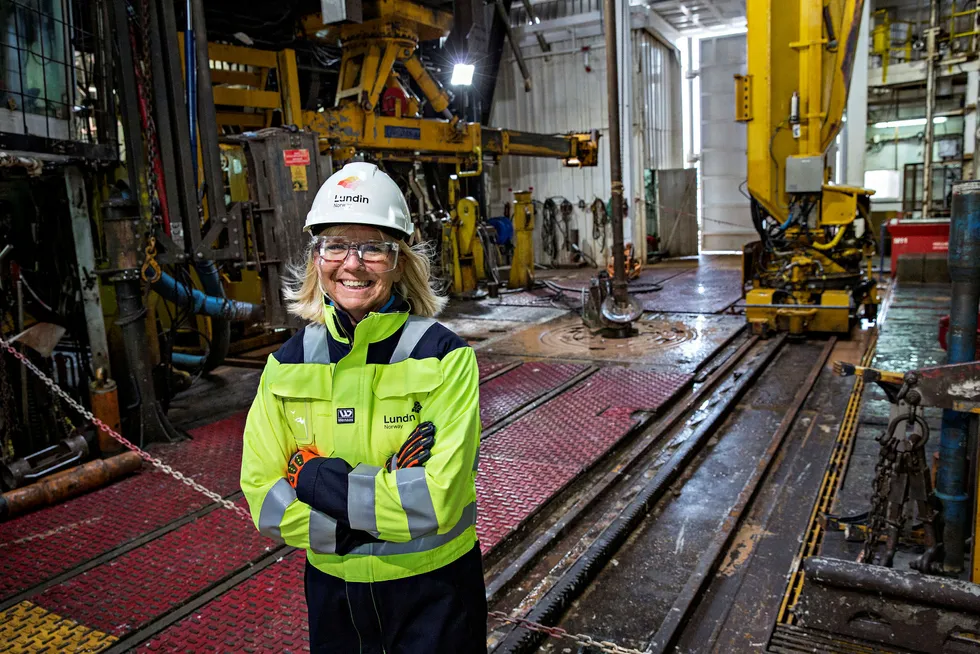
column 440, row 611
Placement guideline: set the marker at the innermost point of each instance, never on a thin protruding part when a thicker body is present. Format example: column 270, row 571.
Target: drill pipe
column 964, row 270
column 67, row 484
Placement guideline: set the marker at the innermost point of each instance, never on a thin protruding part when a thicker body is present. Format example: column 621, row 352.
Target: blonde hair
column 304, row 297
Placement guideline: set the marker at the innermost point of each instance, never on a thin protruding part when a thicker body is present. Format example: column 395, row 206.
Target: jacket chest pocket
column 306, row 392
column 401, row 391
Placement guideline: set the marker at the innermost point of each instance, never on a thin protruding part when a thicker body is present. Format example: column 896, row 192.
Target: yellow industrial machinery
column 462, row 250
column 811, row 270
column 522, row 264
column 359, row 121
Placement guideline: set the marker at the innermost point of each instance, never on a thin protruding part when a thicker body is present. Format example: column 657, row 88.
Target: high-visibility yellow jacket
column 353, row 395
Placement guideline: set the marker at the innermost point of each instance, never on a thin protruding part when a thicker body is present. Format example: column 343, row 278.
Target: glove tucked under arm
column 322, row 483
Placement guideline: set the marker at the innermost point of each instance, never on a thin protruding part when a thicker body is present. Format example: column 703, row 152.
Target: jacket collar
column 375, row 326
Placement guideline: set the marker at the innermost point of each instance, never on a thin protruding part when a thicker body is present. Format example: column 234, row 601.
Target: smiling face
column 358, row 287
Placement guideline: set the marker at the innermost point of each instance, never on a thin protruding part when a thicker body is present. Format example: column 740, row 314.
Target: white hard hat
column 360, row 194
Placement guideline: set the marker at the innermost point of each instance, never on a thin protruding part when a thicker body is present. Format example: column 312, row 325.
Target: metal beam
column 554, row 29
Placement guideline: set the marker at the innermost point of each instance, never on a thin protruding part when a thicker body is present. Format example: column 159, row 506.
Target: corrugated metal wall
column 566, row 97
column 726, row 220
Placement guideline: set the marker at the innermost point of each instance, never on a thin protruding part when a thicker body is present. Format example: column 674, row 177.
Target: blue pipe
column 216, row 307
column 187, row 361
column 220, row 328
column 964, row 271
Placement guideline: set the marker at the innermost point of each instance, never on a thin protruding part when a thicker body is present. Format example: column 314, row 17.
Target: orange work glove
column 296, row 463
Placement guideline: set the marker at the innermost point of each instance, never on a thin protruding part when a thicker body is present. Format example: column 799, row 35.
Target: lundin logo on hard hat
column 350, row 182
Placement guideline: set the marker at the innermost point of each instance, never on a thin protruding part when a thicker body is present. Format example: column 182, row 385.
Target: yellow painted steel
column 792, row 101
column 829, row 488
column 26, row 627
column 788, row 52
column 461, row 242
column 522, row 264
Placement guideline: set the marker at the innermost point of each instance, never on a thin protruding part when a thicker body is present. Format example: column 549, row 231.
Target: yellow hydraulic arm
column 800, row 60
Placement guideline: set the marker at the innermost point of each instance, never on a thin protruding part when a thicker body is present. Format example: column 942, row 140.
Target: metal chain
column 88, row 415
column 144, row 73
column 558, row 632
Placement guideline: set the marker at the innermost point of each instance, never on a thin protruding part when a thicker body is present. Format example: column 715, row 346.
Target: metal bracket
column 229, row 226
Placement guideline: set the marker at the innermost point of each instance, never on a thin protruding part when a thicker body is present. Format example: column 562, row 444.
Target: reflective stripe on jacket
column 353, row 401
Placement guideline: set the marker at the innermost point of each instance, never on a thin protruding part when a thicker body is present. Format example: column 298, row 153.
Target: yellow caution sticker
column 298, row 174
column 26, row 627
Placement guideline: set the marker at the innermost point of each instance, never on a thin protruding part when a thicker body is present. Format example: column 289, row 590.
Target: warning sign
column 298, row 173
column 296, row 157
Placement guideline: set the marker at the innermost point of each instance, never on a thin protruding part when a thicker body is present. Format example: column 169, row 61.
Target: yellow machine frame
column 461, row 243
column 796, row 61
column 390, row 34
column 522, row 263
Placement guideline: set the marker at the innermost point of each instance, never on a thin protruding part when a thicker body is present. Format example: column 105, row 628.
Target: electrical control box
column 804, row 174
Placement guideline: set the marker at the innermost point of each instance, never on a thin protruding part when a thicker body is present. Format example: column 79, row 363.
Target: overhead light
column 537, row 21
column 911, row 122
column 462, row 74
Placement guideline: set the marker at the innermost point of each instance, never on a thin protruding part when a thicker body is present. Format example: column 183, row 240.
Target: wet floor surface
column 909, row 339
column 637, row 588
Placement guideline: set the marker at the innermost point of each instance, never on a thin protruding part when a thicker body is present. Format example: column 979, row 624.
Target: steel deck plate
column 515, row 388
column 669, row 342
column 127, row 592
column 26, row 627
column 703, row 290
column 45, row 543
column 266, row 613
column 489, row 366
column 523, row 465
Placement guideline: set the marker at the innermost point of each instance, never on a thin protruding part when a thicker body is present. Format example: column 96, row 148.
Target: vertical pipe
column 207, row 121
column 129, row 96
column 615, row 142
column 190, row 75
column 964, row 270
column 930, row 107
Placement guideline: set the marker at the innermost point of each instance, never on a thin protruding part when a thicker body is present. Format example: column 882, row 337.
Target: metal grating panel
column 266, row 613
column 125, row 593
column 45, row 543
column 527, row 462
column 489, row 366
column 514, row 389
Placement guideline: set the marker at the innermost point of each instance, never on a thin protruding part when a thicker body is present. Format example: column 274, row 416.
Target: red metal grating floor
column 266, row 613
column 527, row 462
column 515, row 388
column 34, row 551
column 45, row 543
column 489, row 366
column 521, row 467
column 129, row 591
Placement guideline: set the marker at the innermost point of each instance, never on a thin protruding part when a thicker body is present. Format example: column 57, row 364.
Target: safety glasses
column 379, row 256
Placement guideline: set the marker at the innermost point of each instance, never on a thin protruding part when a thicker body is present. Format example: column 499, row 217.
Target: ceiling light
column 462, row 74
column 910, row 122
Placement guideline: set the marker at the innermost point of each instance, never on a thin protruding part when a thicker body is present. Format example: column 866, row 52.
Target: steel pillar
column 857, row 108
column 930, row 130
column 85, row 261
column 615, row 146
column 964, row 270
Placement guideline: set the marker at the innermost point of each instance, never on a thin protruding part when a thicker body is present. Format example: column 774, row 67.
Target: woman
column 361, row 444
